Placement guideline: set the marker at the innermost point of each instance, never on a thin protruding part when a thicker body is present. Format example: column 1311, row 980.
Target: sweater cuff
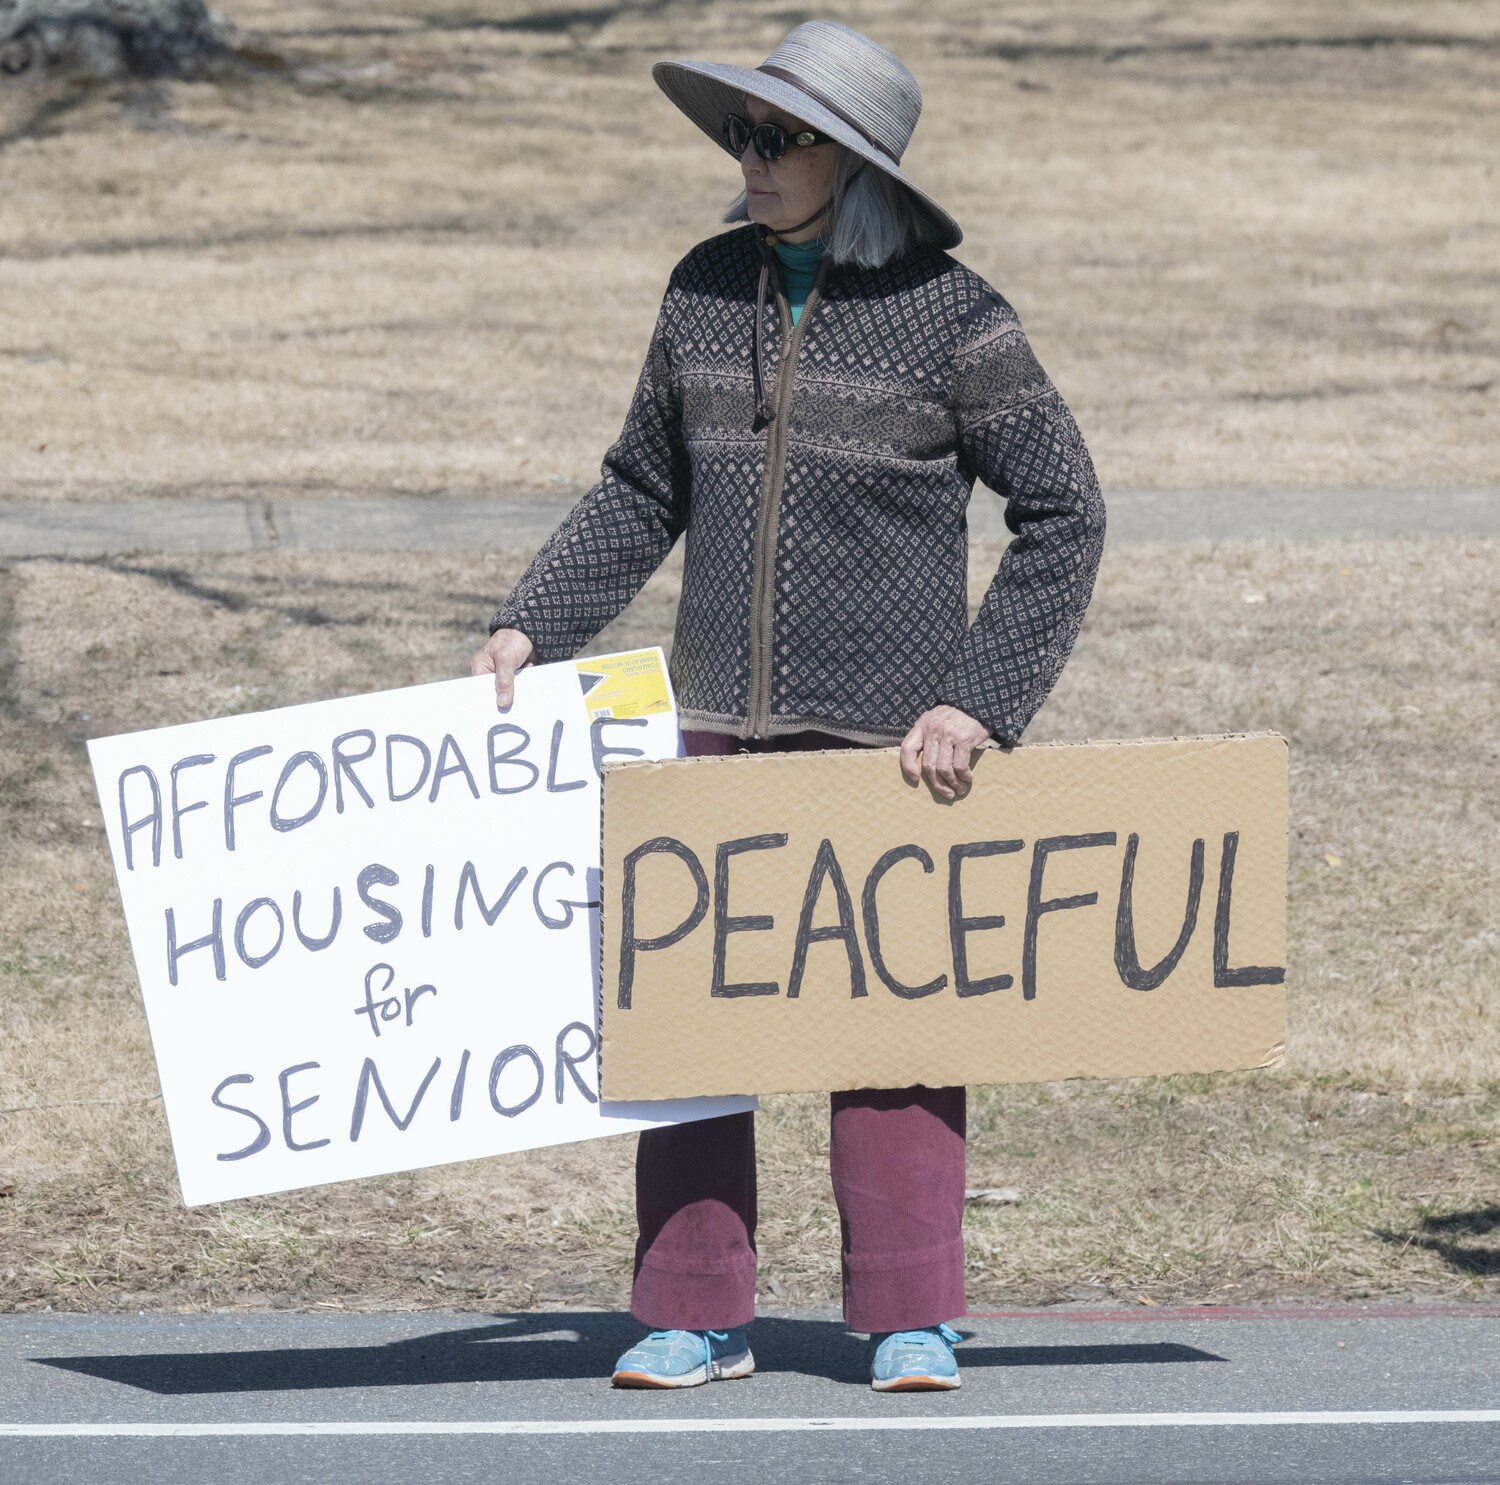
column 547, row 649
column 986, row 710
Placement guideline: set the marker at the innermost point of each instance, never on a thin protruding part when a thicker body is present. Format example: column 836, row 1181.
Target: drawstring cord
column 768, row 241
column 763, row 413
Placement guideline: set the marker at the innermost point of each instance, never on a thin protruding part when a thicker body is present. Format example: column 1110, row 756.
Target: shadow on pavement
column 1121, row 1355
column 542, row 1347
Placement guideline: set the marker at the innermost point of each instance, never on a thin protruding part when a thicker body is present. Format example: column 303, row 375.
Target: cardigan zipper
column 768, row 516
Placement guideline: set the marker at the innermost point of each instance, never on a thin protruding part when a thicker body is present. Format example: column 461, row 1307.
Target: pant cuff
column 666, row 1300
column 924, row 1292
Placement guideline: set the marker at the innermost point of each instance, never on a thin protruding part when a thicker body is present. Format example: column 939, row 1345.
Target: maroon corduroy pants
column 896, row 1157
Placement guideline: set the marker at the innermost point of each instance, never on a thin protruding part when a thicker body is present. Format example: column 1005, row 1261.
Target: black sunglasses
column 771, row 141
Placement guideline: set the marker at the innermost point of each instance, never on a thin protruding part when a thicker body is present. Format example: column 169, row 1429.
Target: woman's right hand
column 507, row 652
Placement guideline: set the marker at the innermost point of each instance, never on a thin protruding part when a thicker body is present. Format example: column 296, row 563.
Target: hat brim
column 706, row 91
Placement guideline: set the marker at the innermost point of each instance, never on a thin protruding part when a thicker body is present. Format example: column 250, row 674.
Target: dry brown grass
column 1254, row 241
column 1368, row 1164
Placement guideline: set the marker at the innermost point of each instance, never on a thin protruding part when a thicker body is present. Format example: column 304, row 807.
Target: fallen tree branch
column 69, row 1103
column 103, row 39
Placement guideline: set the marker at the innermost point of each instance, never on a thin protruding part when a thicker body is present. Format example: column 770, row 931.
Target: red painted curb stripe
column 1226, row 1312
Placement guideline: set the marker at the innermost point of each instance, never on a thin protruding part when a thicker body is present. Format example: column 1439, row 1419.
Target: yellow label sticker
column 629, row 685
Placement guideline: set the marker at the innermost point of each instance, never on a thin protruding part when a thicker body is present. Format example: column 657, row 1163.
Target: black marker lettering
column 1036, row 907
column 1127, row 965
column 316, row 943
column 129, row 828
column 213, row 939
column 368, row 1074
column 496, row 759
column 178, row 811
column 724, row 924
column 826, row 867
column 570, row 1060
column 278, row 821
column 630, row 945
column 498, row 1066
column 343, row 766
column 254, row 961
column 382, row 933
column 468, row 877
column 390, row 765
column 262, row 1139
column 872, row 922
column 1252, row 974
column 288, row 1108
column 960, row 927
column 233, row 801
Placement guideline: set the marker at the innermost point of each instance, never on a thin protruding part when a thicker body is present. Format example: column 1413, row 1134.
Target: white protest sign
column 366, row 930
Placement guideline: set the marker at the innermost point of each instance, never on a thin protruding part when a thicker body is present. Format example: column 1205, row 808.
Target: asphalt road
column 460, row 523
column 1064, row 1395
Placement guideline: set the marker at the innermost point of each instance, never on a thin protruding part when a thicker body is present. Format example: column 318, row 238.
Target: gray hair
column 874, row 219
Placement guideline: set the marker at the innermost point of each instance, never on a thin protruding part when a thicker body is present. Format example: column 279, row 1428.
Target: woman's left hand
column 945, row 739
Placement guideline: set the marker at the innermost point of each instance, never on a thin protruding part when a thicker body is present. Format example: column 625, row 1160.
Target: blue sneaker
column 685, row 1358
column 916, row 1360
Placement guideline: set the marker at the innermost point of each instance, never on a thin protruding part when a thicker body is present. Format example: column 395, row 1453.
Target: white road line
column 742, row 1425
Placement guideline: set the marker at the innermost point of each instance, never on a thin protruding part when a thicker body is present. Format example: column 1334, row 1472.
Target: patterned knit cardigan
column 825, row 574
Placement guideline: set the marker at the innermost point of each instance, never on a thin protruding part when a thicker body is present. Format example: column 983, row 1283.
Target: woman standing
column 821, row 391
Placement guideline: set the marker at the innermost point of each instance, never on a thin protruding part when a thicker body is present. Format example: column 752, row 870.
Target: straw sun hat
column 833, row 78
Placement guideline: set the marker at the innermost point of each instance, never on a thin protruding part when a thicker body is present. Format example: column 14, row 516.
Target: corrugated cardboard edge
column 1274, row 1057
column 666, row 671
column 611, row 766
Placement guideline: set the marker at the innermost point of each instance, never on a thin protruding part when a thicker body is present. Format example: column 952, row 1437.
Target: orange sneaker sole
column 918, row 1384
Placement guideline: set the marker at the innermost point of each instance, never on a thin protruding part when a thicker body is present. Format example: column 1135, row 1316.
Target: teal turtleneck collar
column 799, row 262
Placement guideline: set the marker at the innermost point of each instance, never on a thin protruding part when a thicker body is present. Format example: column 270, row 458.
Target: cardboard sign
column 366, row 929
column 807, row 921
